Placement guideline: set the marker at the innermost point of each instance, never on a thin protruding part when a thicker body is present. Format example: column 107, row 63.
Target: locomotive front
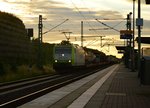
column 62, row 56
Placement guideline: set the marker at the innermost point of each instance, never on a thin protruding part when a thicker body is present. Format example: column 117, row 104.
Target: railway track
column 18, row 93
column 17, row 84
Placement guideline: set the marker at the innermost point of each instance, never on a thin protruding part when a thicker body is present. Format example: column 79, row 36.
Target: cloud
column 17, row 1
column 142, row 1
column 110, row 14
column 56, row 12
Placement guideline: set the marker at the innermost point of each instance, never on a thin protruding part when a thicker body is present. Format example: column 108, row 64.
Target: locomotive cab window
column 63, row 50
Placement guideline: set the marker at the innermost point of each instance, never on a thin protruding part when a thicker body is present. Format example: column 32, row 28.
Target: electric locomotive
column 67, row 55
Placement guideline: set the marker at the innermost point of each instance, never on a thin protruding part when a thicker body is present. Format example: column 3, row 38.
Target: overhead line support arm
column 107, row 25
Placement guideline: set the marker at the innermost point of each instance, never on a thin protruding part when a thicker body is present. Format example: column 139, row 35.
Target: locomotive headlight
column 56, row 61
column 69, row 61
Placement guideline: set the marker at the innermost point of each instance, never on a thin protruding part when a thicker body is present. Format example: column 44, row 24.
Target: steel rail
column 30, row 92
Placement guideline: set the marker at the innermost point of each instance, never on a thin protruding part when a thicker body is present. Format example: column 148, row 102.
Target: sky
column 55, row 12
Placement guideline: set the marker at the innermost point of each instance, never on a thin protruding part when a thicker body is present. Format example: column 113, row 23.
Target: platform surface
column 114, row 87
column 122, row 90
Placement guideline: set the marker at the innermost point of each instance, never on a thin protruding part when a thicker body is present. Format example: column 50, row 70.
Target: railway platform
column 114, row 87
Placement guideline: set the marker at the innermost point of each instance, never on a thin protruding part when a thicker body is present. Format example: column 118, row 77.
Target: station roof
column 120, row 47
column 145, row 40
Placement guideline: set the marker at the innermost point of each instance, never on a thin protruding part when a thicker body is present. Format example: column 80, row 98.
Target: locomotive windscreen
column 63, row 50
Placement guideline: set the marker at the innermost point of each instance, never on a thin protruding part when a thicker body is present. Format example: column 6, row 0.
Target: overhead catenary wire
column 105, row 19
column 83, row 16
column 56, row 16
column 87, row 22
column 108, row 28
column 107, row 25
column 119, row 23
column 55, row 26
column 89, row 10
column 92, row 42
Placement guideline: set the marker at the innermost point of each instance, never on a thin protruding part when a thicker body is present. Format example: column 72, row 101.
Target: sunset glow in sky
column 55, row 12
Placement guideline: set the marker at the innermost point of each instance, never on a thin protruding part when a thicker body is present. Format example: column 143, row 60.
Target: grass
column 23, row 72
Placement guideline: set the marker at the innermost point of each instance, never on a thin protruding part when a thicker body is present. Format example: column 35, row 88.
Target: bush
column 1, row 69
column 24, row 71
column 48, row 69
column 5, row 68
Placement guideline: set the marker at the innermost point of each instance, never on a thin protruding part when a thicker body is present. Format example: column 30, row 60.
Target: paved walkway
column 121, row 90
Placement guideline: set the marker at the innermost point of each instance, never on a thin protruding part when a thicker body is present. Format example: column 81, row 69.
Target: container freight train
column 67, row 55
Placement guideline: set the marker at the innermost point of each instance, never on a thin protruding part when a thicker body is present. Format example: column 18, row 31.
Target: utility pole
column 129, row 62
column 81, row 33
column 133, row 44
column 40, row 27
column 130, row 40
column 139, row 23
column 129, row 24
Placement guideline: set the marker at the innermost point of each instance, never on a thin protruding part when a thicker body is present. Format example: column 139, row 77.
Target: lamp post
column 129, row 51
column 81, row 33
column 139, row 23
column 133, row 44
